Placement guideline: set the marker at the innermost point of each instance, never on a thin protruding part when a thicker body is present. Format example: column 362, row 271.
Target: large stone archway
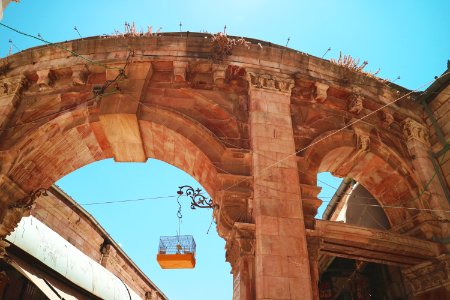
column 253, row 127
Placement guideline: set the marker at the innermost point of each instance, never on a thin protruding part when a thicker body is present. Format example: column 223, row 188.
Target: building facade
column 253, row 123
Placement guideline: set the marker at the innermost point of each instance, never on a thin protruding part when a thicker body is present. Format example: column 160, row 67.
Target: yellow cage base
column 176, row 261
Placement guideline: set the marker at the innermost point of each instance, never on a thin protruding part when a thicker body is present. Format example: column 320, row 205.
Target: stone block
column 123, row 134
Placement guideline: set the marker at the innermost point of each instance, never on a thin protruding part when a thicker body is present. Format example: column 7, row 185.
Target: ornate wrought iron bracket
column 198, row 200
column 28, row 201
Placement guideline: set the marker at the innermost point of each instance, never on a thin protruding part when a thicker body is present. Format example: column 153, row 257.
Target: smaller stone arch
column 360, row 154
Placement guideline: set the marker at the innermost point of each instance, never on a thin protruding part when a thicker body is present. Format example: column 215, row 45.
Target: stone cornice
column 271, row 82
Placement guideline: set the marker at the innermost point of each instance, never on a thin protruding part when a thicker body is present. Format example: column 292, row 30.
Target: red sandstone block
column 267, row 94
column 267, row 225
column 279, row 108
column 275, row 287
column 276, row 145
column 270, row 131
column 291, row 227
column 279, row 186
column 267, row 118
column 293, row 246
column 272, row 207
column 268, row 244
column 297, row 289
column 274, row 265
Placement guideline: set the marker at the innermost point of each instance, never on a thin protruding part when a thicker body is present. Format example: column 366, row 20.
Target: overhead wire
column 335, row 132
column 265, row 168
column 57, row 45
column 100, row 94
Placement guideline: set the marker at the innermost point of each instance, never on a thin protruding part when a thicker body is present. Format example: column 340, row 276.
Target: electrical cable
column 100, row 94
column 335, row 132
column 266, row 168
column 56, row 45
column 108, row 202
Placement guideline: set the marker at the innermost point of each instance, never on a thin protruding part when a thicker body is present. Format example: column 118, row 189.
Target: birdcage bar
column 176, row 252
column 177, row 244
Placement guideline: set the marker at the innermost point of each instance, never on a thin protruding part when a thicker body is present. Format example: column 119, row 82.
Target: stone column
column 282, row 264
column 430, row 280
column 241, row 255
column 314, row 244
column 418, row 145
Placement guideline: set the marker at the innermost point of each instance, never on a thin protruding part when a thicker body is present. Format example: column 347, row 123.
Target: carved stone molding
column 270, row 82
column 151, row 295
column 386, row 117
column 234, row 207
column 413, row 130
column 79, row 75
column 240, row 244
column 15, row 203
column 428, row 276
column 179, row 70
column 362, row 141
column 356, row 101
column 45, row 79
column 10, row 86
column 320, row 93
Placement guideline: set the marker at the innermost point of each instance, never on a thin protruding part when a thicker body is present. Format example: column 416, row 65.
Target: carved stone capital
column 241, row 244
column 10, row 86
column 234, row 207
column 386, row 117
column 413, row 130
column 428, row 276
column 362, row 140
column 15, row 203
column 270, row 82
column 320, row 93
column 356, row 101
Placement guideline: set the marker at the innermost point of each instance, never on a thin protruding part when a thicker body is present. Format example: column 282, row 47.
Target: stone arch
column 363, row 156
column 52, row 151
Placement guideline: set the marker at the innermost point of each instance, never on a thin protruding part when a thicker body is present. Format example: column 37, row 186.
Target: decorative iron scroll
column 198, row 200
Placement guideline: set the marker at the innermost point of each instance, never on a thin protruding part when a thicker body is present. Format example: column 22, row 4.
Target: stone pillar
column 418, row 145
column 314, row 244
column 430, row 280
column 282, row 264
column 241, row 255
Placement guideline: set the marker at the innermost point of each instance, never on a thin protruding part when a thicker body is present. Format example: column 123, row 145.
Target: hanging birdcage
column 176, row 252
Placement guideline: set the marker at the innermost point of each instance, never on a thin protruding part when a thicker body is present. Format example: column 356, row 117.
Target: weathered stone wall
column 59, row 212
column 254, row 127
column 440, row 107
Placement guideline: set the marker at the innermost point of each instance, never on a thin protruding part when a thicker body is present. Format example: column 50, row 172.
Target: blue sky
column 409, row 39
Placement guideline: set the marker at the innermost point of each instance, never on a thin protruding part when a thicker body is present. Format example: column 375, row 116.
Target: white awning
column 49, row 286
column 41, row 242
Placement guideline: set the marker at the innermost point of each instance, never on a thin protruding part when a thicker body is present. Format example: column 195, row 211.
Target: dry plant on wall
column 351, row 63
column 131, row 30
column 222, row 45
